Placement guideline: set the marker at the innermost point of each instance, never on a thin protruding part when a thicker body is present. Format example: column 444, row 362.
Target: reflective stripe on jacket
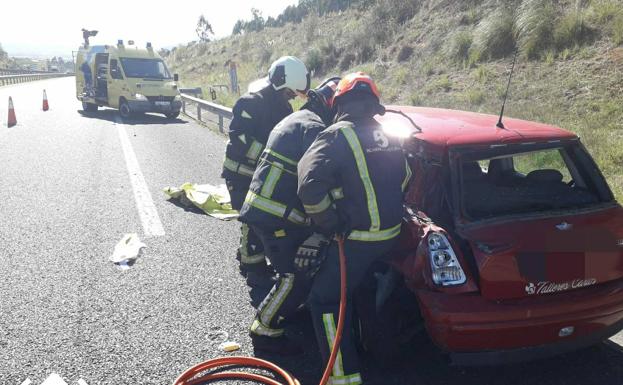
column 255, row 115
column 272, row 200
column 373, row 172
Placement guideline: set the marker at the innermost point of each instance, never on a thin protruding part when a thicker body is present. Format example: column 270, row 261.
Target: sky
column 53, row 28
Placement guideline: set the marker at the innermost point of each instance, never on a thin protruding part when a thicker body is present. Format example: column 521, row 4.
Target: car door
column 116, row 83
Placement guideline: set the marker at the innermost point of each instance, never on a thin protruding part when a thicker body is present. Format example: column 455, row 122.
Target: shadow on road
column 186, row 205
column 138, row 119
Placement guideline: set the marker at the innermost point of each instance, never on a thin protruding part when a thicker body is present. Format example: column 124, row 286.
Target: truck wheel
column 172, row 115
column 89, row 107
column 124, row 109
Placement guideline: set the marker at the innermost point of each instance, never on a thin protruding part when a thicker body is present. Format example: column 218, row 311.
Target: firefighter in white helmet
column 255, row 115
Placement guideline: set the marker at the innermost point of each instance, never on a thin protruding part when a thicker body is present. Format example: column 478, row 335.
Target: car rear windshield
column 145, row 68
column 520, row 179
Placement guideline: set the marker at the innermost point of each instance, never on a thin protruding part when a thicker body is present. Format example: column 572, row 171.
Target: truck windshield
column 144, row 68
column 522, row 179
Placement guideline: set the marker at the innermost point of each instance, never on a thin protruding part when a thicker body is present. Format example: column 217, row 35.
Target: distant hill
column 454, row 54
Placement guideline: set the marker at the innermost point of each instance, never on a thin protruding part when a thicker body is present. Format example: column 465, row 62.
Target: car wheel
column 172, row 115
column 124, row 109
column 89, row 107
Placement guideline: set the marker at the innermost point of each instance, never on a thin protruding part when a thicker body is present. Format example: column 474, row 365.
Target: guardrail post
column 220, row 123
column 199, row 112
column 183, row 105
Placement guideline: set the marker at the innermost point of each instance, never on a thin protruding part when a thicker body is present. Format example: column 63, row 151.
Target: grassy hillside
column 454, row 54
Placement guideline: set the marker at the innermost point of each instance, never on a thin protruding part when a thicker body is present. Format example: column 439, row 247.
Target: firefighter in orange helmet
column 369, row 168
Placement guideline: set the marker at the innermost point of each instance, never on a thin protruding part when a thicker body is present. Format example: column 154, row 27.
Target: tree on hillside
column 204, row 29
column 3, row 54
column 256, row 24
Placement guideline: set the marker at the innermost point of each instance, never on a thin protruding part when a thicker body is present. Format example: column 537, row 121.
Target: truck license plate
column 163, row 104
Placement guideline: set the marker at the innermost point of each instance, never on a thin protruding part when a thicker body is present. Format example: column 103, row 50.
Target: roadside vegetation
column 449, row 54
column 4, row 58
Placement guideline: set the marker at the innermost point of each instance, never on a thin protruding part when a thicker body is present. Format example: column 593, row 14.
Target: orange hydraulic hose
column 186, row 378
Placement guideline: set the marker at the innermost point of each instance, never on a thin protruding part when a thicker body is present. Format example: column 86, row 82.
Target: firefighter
column 274, row 212
column 369, row 167
column 255, row 115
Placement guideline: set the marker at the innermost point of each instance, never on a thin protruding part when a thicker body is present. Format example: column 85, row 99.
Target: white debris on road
column 128, row 249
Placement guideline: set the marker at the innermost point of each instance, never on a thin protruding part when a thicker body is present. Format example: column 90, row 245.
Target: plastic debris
column 229, row 346
column 212, row 200
column 127, row 250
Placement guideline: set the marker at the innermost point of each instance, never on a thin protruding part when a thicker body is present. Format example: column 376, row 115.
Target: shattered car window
column 515, row 180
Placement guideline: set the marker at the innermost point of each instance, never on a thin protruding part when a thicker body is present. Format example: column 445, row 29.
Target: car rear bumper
column 148, row 106
column 478, row 331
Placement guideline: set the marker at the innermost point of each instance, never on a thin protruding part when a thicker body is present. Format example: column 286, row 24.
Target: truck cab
column 127, row 78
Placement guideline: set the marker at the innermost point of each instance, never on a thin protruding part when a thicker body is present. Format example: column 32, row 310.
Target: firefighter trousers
column 251, row 251
column 324, row 300
column 291, row 289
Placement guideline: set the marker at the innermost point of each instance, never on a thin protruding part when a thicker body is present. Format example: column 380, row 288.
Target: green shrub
column 482, row 74
column 458, row 46
column 571, row 30
column 495, row 35
column 565, row 54
column 401, row 75
column 617, row 30
column 535, row 27
column 347, row 61
column 415, row 99
column 265, row 55
column 444, row 83
column 549, row 58
column 395, row 11
column 475, row 97
column 428, row 68
column 405, row 53
column 604, row 11
column 314, row 60
column 470, row 17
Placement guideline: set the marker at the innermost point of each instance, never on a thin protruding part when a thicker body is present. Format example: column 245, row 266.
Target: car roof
column 450, row 128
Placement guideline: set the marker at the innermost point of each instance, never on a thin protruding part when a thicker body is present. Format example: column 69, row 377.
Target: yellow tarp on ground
column 213, row 200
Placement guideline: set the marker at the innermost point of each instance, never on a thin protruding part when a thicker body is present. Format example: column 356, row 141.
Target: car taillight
column 444, row 264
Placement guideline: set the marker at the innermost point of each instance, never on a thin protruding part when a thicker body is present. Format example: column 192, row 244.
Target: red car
column 513, row 242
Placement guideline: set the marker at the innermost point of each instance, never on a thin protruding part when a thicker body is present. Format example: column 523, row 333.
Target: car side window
column 115, row 71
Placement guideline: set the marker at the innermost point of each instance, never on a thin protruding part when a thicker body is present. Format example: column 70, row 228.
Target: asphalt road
column 66, row 199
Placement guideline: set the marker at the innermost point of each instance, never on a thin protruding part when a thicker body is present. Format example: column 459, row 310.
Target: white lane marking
column 82, row 382
column 152, row 226
column 54, row 379
column 27, row 382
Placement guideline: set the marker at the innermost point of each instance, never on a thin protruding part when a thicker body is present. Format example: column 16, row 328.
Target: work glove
column 311, row 254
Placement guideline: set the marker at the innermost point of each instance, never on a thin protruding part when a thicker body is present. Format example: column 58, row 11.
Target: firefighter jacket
column 272, row 201
column 255, row 115
column 369, row 167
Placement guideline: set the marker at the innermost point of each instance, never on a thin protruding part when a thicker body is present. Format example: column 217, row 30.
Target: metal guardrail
column 21, row 78
column 11, row 71
column 196, row 92
column 215, row 113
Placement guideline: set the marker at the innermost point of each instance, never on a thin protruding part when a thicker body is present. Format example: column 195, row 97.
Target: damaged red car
column 512, row 243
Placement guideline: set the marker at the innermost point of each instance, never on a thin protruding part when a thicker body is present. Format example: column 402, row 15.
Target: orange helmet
column 356, row 81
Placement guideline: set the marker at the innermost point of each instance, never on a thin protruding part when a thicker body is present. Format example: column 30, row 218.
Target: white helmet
column 289, row 72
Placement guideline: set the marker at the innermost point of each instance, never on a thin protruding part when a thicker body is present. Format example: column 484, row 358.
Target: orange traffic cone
column 45, row 102
column 12, row 119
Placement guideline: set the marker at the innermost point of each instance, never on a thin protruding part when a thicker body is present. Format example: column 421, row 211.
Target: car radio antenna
column 406, row 117
column 500, row 124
